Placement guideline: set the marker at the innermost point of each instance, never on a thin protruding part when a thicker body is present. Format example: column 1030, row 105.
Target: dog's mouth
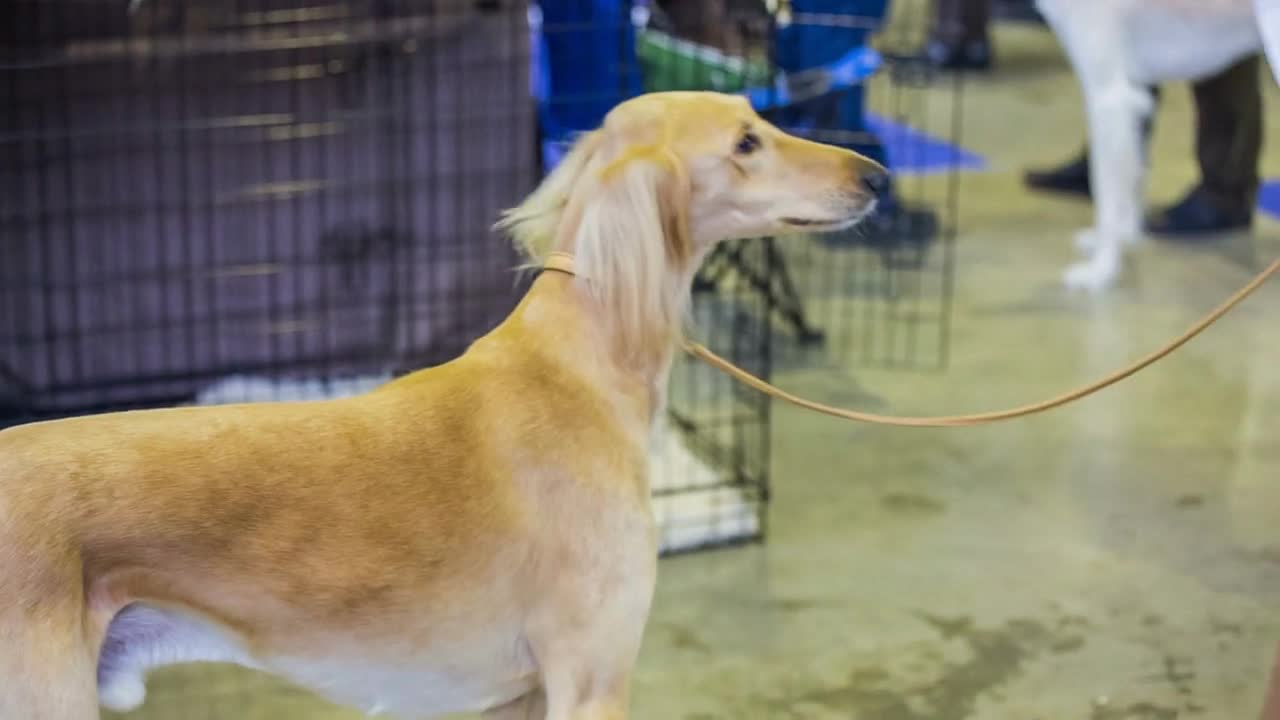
column 827, row 224
column 822, row 224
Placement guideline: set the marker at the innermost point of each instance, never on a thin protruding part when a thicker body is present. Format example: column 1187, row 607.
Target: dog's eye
column 749, row 143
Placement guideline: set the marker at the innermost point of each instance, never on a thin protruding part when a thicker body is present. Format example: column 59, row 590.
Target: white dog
column 1269, row 24
column 1118, row 49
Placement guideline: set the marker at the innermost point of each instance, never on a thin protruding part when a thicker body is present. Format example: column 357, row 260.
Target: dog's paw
column 1086, row 241
column 1091, row 276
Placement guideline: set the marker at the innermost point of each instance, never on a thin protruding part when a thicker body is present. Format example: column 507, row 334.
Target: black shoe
column 1069, row 179
column 971, row 55
column 1195, row 216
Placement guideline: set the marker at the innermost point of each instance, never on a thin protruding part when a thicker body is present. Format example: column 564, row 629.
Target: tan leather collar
column 559, row 261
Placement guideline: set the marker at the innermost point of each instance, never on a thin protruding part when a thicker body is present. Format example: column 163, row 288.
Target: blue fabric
column 852, row 69
column 801, row 46
column 1269, row 198
column 586, row 63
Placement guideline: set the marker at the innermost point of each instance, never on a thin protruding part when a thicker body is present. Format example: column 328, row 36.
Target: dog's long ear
column 533, row 224
column 629, row 229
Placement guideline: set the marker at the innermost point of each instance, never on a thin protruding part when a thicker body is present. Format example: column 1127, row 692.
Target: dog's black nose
column 876, row 182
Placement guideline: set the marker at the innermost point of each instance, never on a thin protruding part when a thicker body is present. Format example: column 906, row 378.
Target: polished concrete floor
column 1115, row 560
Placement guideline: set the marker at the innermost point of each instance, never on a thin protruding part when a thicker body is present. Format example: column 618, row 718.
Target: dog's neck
column 566, row 316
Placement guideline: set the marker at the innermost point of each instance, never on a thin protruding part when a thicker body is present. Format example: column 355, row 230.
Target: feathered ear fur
column 532, row 224
column 623, row 214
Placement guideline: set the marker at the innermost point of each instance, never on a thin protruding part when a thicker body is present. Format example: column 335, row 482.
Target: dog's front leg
column 1116, row 110
column 586, row 638
column 587, row 676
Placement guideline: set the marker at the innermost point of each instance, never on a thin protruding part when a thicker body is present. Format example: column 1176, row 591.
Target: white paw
column 1086, row 240
column 122, row 692
column 1092, row 275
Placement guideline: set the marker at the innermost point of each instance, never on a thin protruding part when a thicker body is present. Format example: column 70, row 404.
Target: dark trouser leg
column 958, row 37
column 1228, row 143
column 961, row 21
column 1229, row 135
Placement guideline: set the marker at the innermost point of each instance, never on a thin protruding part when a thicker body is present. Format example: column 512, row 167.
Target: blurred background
column 208, row 201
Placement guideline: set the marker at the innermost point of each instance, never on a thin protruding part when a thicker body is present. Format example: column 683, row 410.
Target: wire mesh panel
column 713, row 485
column 881, row 293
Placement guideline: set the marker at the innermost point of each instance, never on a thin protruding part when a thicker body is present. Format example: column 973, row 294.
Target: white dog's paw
column 1093, row 275
column 1087, row 240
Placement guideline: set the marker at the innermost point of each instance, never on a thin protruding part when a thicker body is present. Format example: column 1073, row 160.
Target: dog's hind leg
column 1116, row 108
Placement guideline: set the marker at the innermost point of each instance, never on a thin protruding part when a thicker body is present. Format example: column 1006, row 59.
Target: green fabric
column 673, row 64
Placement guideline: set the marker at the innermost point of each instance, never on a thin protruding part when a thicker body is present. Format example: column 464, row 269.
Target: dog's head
column 697, row 164
column 641, row 200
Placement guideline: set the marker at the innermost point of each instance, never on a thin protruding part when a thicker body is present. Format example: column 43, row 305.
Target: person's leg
column 1228, row 145
column 959, row 37
column 1229, row 134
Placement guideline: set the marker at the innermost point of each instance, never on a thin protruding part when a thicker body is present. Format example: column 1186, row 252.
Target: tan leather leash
column 564, row 263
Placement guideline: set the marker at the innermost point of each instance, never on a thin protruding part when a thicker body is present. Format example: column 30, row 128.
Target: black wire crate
column 264, row 190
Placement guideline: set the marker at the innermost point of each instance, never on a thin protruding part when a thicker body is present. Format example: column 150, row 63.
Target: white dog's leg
column 1116, row 110
column 1093, row 32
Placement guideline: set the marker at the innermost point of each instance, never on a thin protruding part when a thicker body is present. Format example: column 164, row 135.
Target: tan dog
column 475, row 536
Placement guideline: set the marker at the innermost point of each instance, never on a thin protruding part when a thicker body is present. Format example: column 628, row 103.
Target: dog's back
column 309, row 505
column 1155, row 41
